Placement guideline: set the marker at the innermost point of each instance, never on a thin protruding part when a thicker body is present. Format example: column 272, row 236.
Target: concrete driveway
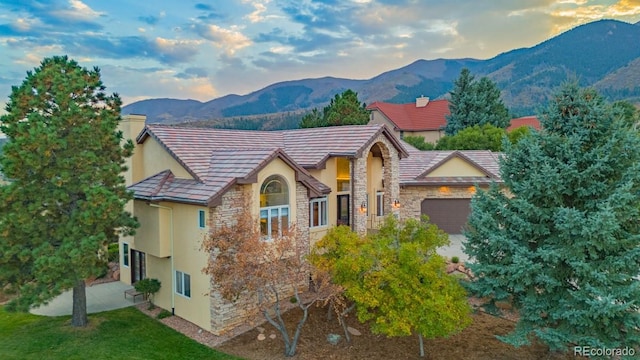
column 100, row 297
column 455, row 248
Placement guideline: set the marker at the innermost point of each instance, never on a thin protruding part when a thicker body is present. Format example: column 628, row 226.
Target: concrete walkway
column 455, row 248
column 100, row 297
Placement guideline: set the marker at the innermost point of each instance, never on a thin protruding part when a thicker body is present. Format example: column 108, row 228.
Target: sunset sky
column 207, row 49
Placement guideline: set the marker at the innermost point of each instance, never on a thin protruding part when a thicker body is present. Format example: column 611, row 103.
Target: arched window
column 274, row 206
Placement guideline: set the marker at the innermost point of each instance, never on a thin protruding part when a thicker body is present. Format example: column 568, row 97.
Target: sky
column 207, row 49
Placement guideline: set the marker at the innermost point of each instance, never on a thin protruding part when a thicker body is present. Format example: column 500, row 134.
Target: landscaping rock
column 261, row 337
column 272, row 336
column 116, row 275
column 333, row 339
column 260, row 329
column 451, row 268
column 353, row 331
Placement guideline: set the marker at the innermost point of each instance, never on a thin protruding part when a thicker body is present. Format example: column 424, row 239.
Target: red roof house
column 423, row 118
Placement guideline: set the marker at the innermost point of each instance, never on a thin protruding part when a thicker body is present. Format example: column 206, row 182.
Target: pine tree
column 66, row 196
column 344, row 109
column 564, row 245
column 475, row 103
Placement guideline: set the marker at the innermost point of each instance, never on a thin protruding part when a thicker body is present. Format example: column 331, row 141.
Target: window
column 380, row 204
column 318, row 212
column 125, row 254
column 343, row 174
column 183, row 284
column 274, row 206
column 201, row 219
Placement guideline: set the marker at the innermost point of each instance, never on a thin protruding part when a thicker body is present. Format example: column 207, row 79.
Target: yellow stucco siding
column 456, row 167
column 154, row 237
column 276, row 167
column 157, row 159
column 430, row 136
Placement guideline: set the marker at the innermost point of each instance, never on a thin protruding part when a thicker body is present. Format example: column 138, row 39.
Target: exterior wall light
column 363, row 207
column 396, row 204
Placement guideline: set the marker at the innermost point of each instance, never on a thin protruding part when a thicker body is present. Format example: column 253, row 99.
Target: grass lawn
column 119, row 334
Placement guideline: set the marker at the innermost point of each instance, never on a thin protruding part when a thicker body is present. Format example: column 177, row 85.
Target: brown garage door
column 449, row 214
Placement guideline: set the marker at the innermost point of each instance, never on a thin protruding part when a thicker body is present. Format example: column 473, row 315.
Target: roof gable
column 455, row 166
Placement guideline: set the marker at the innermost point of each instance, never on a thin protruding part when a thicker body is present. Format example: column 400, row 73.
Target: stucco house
column 187, row 180
column 426, row 118
column 440, row 184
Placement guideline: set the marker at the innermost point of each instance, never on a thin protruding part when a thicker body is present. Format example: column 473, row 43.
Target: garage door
column 449, row 214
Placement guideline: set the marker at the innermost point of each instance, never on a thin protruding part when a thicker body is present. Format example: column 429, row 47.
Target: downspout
column 173, row 308
column 353, row 194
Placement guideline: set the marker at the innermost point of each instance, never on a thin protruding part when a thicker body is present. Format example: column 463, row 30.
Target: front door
column 343, row 210
column 138, row 266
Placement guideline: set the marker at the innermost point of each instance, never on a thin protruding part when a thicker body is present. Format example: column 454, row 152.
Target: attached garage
column 449, row 215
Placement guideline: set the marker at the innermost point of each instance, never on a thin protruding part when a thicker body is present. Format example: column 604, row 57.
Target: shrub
column 163, row 314
column 455, row 259
column 148, row 287
column 113, row 252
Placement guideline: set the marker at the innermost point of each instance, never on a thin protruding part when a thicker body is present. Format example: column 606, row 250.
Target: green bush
column 163, row 314
column 113, row 252
column 455, row 259
column 148, row 287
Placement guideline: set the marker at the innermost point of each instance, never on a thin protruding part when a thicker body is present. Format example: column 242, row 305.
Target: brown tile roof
column 415, row 168
column 408, row 117
column 218, row 159
column 531, row 121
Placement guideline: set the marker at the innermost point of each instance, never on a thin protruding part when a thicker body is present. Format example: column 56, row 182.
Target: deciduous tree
column 475, row 102
column 485, row 137
column 344, row 109
column 564, row 246
column 66, row 196
column 265, row 275
column 396, row 279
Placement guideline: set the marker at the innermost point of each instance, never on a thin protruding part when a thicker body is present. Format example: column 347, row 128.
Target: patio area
column 100, row 297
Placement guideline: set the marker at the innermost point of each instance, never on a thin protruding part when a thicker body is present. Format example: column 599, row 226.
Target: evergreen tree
column 564, row 246
column 66, row 198
column 475, row 103
column 344, row 109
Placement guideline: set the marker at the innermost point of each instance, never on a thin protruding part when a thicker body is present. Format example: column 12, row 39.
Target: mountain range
column 600, row 54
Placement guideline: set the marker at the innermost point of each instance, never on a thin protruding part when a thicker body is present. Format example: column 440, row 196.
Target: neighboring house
column 440, row 184
column 425, row 117
column 186, row 181
column 531, row 121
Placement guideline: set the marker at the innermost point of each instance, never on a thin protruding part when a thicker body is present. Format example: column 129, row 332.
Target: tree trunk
column 79, row 312
column 421, row 345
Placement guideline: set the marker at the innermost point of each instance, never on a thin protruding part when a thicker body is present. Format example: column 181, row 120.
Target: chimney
column 131, row 126
column 422, row 101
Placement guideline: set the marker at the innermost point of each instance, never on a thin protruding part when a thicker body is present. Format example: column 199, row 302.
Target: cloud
column 193, row 73
column 230, row 40
column 150, row 20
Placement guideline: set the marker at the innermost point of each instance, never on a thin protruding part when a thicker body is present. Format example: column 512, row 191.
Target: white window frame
column 270, row 210
column 125, row 255
column 380, row 203
column 181, row 289
column 202, row 219
column 322, row 212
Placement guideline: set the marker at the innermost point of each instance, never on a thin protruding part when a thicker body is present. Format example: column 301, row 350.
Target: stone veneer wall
column 230, row 319
column 411, row 197
column 391, row 181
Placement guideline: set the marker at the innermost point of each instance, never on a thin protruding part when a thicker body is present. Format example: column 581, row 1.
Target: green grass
column 119, row 334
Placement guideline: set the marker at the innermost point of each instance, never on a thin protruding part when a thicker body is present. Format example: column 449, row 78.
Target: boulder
column 261, row 337
column 353, row 331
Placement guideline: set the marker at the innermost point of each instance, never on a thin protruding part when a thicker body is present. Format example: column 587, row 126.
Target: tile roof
column 219, row 158
column 531, row 121
column 409, row 117
column 415, row 168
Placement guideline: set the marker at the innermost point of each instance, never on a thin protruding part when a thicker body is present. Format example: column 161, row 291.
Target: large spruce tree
column 66, row 196
column 562, row 243
column 475, row 102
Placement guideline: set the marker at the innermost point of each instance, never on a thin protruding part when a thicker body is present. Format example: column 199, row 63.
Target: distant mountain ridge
column 603, row 54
